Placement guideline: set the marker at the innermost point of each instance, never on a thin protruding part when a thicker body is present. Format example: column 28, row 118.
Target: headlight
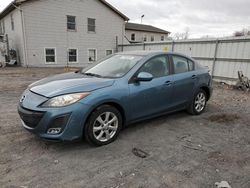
column 64, row 100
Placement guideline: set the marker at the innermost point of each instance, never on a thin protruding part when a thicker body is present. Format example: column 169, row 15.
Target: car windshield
column 115, row 66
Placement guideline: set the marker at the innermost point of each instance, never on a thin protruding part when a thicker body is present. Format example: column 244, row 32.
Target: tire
column 103, row 126
column 198, row 103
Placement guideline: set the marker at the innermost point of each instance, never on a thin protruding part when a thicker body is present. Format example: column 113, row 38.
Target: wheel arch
column 115, row 104
column 119, row 108
column 207, row 91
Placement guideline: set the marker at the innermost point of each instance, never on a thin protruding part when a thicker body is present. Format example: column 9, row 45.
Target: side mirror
column 144, row 77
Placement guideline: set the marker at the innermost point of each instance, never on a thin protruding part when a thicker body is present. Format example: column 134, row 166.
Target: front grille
column 29, row 117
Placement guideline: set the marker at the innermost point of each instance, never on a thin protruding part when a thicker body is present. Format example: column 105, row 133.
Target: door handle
column 194, row 76
column 167, row 83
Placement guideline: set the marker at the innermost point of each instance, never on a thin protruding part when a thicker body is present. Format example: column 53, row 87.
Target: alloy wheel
column 105, row 126
column 200, row 102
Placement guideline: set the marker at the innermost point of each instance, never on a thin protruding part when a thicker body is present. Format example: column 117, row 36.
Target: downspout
column 123, row 33
column 24, row 40
column 25, row 55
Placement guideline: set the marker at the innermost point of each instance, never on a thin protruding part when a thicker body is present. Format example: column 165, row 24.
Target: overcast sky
column 203, row 17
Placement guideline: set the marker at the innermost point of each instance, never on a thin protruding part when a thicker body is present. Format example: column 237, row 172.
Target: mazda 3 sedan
column 97, row 102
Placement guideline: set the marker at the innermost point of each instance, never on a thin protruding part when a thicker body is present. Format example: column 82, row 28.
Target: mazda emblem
column 22, row 98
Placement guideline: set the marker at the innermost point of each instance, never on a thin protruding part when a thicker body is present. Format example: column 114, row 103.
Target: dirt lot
column 184, row 151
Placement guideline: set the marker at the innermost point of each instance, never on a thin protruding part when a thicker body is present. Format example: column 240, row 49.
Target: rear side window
column 180, row 64
column 157, row 66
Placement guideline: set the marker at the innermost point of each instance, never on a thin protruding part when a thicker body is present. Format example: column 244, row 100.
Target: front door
column 149, row 98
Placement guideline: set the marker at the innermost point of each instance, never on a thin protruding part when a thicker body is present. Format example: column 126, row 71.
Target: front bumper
column 70, row 119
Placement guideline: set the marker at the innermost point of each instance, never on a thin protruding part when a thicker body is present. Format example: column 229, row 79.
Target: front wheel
column 103, row 125
column 199, row 103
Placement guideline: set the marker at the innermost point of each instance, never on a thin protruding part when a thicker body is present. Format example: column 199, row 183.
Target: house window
column 145, row 38
column 12, row 22
column 162, row 38
column 72, row 55
column 92, row 55
column 91, row 25
column 71, row 23
column 132, row 37
column 50, row 55
column 109, row 52
column 152, row 38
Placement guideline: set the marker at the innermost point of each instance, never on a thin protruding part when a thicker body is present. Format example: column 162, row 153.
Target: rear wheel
column 199, row 103
column 103, row 125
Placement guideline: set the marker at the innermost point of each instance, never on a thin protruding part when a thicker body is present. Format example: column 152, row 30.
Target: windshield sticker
column 127, row 57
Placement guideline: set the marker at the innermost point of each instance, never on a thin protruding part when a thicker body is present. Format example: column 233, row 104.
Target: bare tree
column 243, row 32
column 182, row 36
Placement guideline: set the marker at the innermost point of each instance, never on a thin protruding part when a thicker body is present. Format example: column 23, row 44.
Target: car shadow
column 81, row 143
column 157, row 120
column 150, row 123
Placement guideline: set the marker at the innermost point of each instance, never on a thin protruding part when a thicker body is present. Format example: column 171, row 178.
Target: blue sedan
column 97, row 102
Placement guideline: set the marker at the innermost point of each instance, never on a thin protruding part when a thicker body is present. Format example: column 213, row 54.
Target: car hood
column 68, row 83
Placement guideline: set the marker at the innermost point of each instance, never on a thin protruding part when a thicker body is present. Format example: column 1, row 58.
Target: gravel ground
column 183, row 150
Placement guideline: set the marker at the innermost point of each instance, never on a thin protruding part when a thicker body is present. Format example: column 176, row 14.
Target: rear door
column 184, row 80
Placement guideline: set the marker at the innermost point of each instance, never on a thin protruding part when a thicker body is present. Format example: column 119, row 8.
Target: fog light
column 58, row 124
column 54, row 131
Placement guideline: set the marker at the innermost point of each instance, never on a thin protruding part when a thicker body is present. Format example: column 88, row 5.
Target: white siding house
column 61, row 32
column 15, row 32
column 137, row 33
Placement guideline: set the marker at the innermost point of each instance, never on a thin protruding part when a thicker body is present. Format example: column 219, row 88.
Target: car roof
column 139, row 53
column 150, row 53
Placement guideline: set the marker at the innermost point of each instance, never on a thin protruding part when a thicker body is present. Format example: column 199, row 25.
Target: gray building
column 57, row 33
column 137, row 33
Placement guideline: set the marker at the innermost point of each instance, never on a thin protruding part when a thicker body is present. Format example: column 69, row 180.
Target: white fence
column 225, row 57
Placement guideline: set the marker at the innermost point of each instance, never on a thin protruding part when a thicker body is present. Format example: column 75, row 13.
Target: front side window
column 12, row 22
column 50, row 55
column 92, row 55
column 71, row 23
column 145, row 38
column 157, row 66
column 114, row 67
column 162, row 38
column 132, row 37
column 109, row 52
column 72, row 55
column 180, row 64
column 190, row 65
column 91, row 25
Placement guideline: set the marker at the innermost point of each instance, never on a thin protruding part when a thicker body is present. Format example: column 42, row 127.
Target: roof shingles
column 147, row 28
